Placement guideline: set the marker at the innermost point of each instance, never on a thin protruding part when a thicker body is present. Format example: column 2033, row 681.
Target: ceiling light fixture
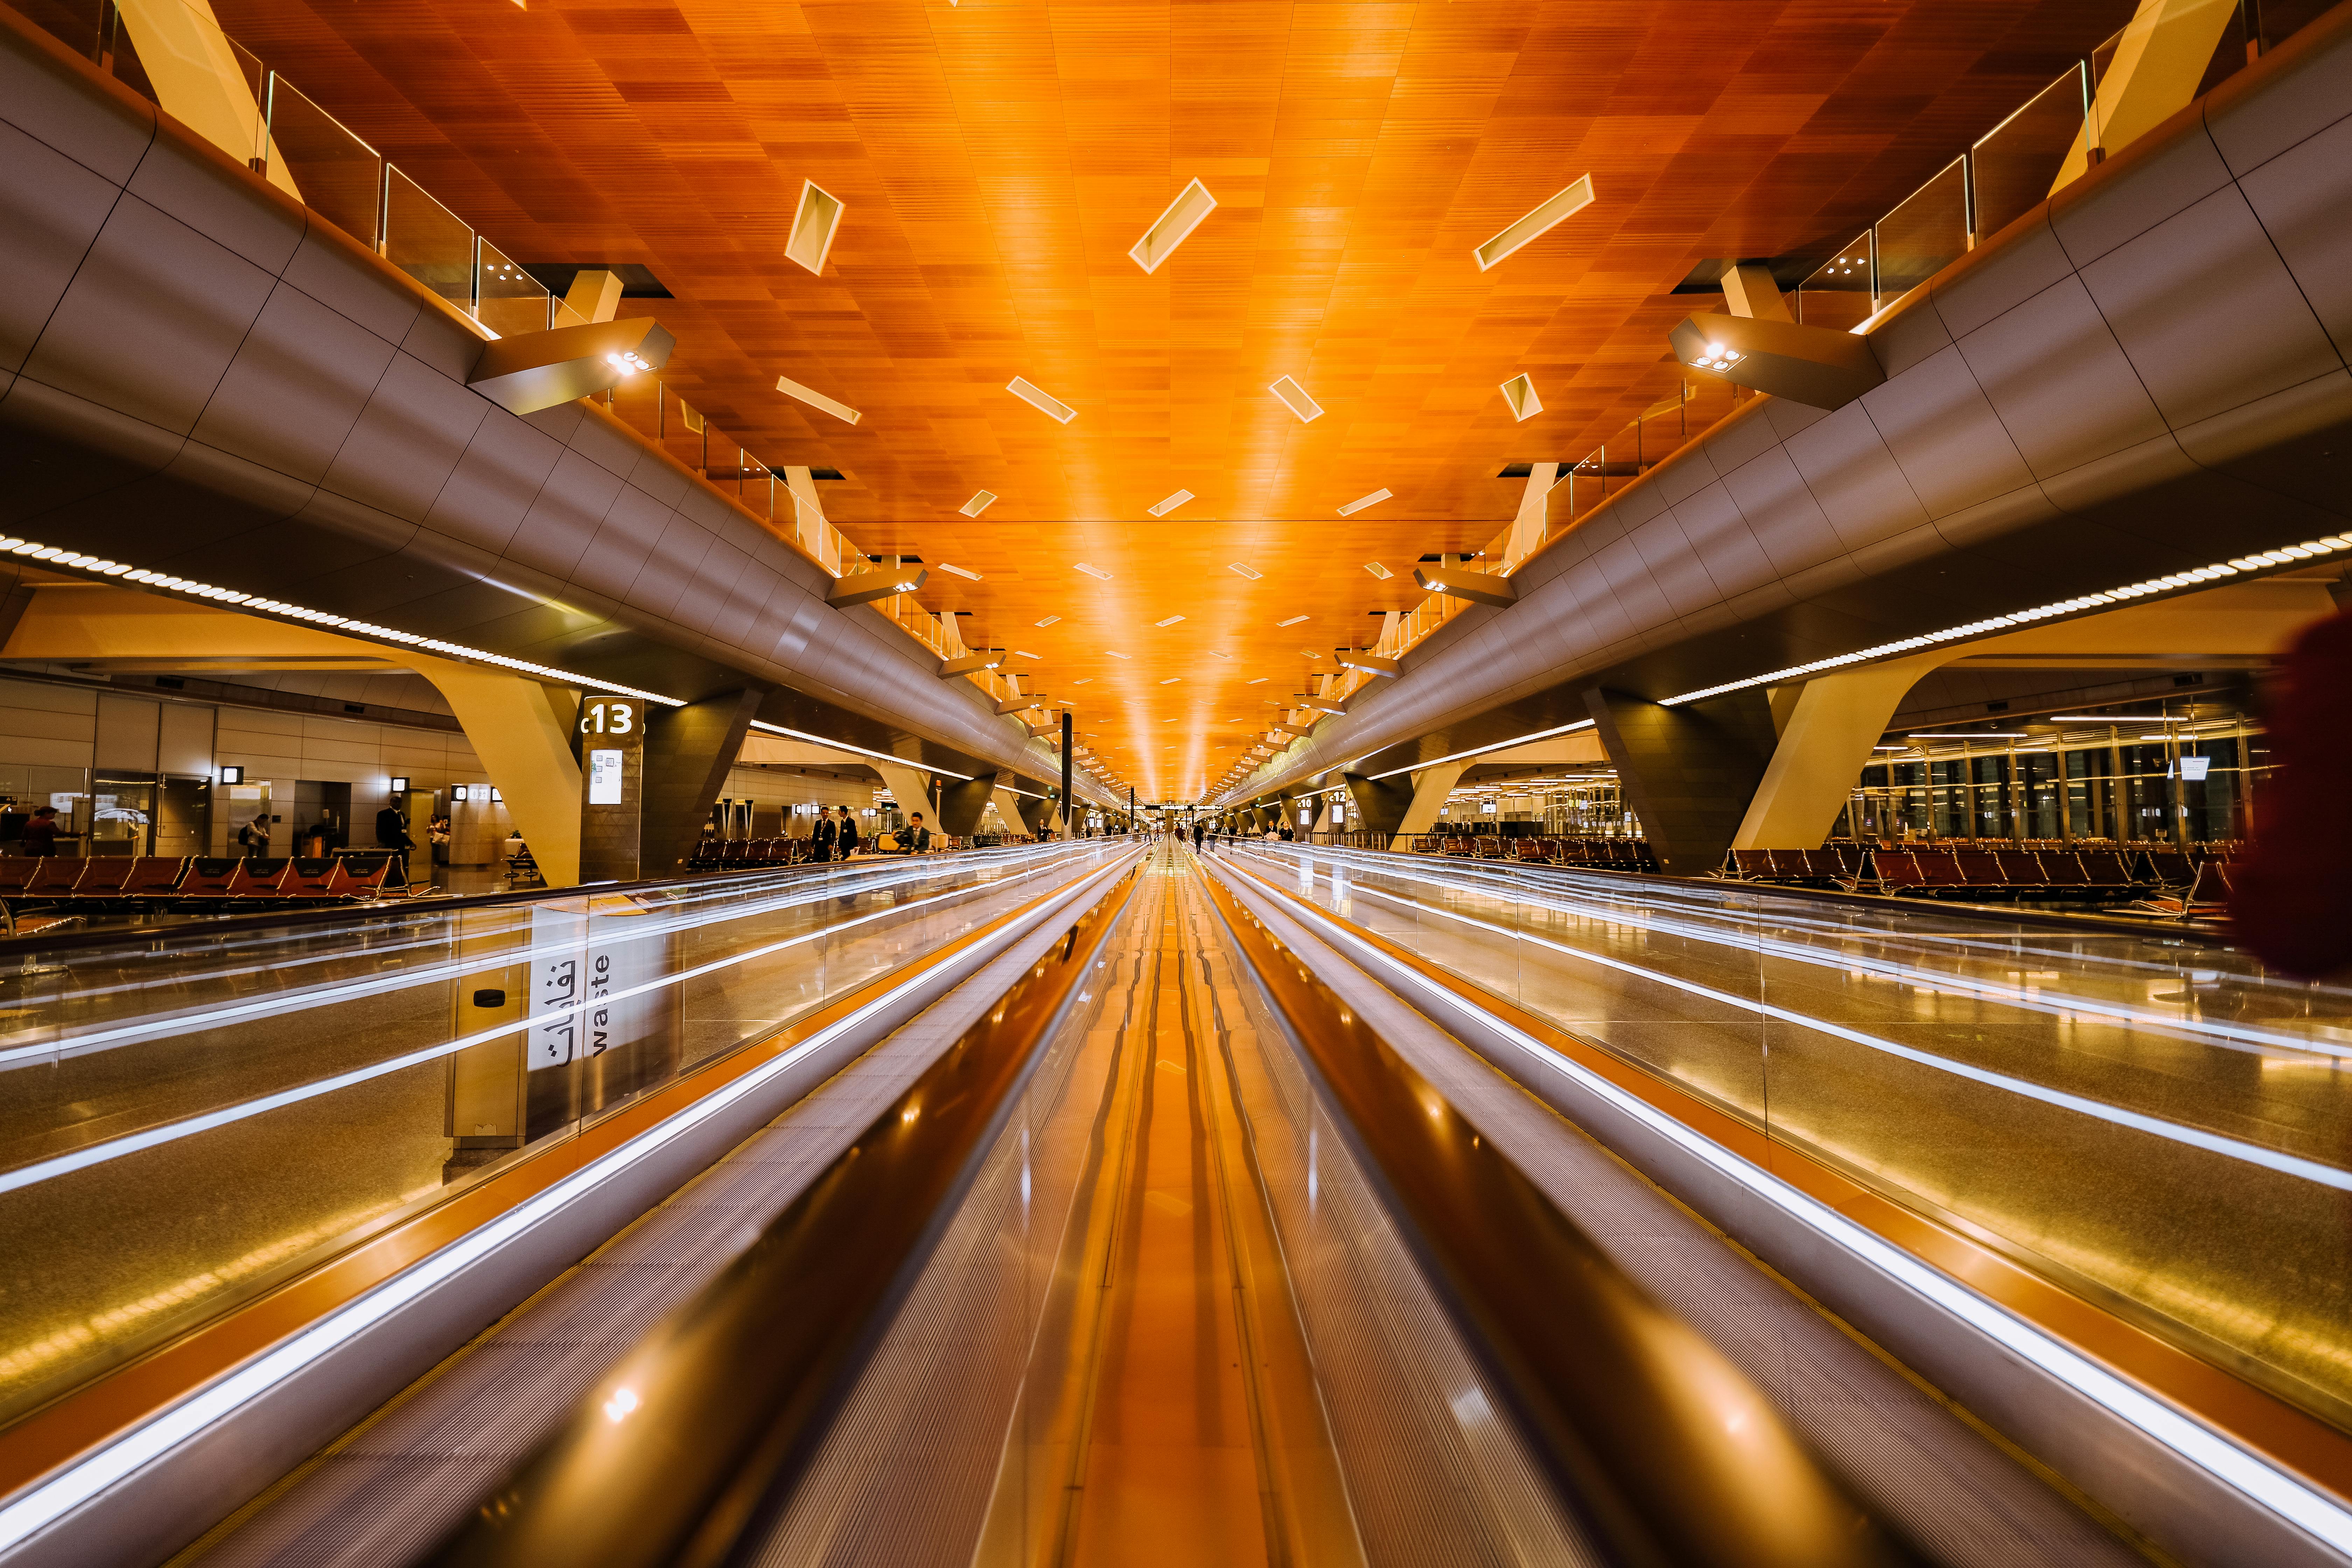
column 814, row 399
column 1482, row 751
column 2334, row 544
column 1519, row 392
column 1568, row 202
column 1044, row 402
column 1294, row 398
column 1024, row 653
column 1215, row 653
column 1378, row 571
column 1294, row 620
column 1170, row 504
column 1171, row 680
column 1168, row 621
column 958, row 571
column 813, row 223
column 1048, row 621
column 1240, row 570
column 1360, row 502
column 1113, row 653
column 1094, row 572
column 980, row 502
column 846, row 746
column 1261, row 680
column 1966, row 734
column 1173, row 226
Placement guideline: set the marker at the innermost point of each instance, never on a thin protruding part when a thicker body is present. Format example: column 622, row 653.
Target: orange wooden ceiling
column 998, row 160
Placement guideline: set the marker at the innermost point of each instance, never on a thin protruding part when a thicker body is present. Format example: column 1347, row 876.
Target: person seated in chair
column 914, row 838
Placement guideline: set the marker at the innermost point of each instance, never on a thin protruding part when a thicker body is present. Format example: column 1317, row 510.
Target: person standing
column 254, row 838
column 41, row 834
column 391, row 833
column 822, row 835
column 1197, row 832
column 846, row 841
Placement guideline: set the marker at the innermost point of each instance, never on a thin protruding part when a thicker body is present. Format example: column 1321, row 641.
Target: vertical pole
column 1069, row 814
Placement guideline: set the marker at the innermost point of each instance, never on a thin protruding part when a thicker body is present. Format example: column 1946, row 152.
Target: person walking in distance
column 847, row 840
column 823, row 837
column 41, row 834
column 254, row 838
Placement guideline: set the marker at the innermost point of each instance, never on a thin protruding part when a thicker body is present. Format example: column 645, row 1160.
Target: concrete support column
column 1009, row 808
column 1382, row 803
column 1826, row 734
column 962, row 803
column 911, row 790
column 1430, row 788
column 1689, row 771
column 523, row 737
column 687, row 753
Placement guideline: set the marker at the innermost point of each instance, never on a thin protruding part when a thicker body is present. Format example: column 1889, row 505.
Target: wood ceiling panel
column 997, row 161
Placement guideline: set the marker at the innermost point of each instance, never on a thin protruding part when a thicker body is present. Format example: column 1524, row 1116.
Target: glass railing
column 191, row 1115
column 2055, row 136
column 2156, row 1126
column 295, row 142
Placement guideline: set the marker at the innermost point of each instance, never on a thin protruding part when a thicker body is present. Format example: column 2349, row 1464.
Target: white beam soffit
column 1566, row 203
column 277, row 609
column 2286, row 555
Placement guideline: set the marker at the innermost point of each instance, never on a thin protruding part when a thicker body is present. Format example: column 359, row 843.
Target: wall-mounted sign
column 605, row 777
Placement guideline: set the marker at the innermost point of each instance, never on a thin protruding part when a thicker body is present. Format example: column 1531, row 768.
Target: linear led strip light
column 50, row 555
column 79, row 1482
column 861, row 751
column 1482, row 751
column 2286, row 555
column 2285, row 1495
column 1574, row 199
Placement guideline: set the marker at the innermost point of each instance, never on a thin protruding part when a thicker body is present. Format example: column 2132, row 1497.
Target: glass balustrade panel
column 340, row 176
column 427, row 241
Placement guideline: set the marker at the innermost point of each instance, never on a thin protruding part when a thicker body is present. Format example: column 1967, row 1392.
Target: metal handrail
column 1668, row 1453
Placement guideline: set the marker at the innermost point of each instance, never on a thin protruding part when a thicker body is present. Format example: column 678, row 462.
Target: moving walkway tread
column 896, row 1478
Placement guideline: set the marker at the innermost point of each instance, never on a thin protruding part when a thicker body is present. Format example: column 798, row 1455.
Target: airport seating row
column 758, row 854
column 190, row 882
column 1976, row 866
column 1581, row 852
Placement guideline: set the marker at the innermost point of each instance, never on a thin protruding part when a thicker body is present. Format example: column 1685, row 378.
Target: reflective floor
column 2157, row 1123
column 190, row 1116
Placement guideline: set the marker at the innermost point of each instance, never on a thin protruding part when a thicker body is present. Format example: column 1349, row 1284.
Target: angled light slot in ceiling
column 813, row 222
column 1374, row 567
column 1170, row 504
column 1096, row 572
column 1044, row 402
column 1292, row 621
column 1573, row 200
column 980, row 502
column 815, row 399
column 1048, row 621
column 1242, row 569
column 1294, row 398
column 967, row 576
column 1173, row 227
column 1360, row 502
column 1168, row 621
column 1519, row 392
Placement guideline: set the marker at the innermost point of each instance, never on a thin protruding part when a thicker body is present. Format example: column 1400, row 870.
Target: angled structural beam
column 543, row 369
column 1460, row 583
column 971, row 663
column 1749, row 290
column 687, row 753
column 865, row 587
column 1370, row 663
column 1812, row 365
column 1380, row 804
column 962, row 803
column 1430, row 788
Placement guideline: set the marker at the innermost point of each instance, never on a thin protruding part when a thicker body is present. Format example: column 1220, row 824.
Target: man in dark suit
column 822, row 835
column 847, row 841
column 914, row 838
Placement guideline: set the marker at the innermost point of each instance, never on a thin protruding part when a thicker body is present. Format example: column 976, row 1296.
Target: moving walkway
column 1187, row 1214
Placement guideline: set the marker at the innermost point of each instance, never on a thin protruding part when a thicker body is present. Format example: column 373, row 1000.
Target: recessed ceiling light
column 1049, row 620
column 1519, row 392
column 1360, row 502
column 958, row 571
column 1170, row 504
column 1573, row 200
column 980, row 502
column 1170, row 621
column 1294, row 398
column 1261, row 680
column 1171, row 680
column 1044, row 402
column 1024, row 653
column 813, row 221
column 1215, row 653
column 839, row 409
column 1311, row 652
column 1238, row 569
column 1294, row 620
column 1113, row 653
column 1094, row 572
column 1173, row 226
column 1374, row 567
